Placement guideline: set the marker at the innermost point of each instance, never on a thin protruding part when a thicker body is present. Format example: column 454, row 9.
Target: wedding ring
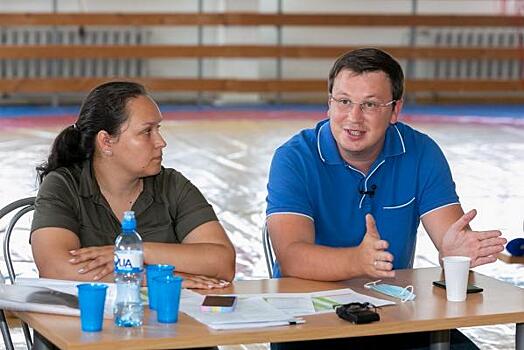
column 375, row 263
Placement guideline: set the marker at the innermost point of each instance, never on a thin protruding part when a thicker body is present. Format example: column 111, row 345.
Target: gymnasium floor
column 226, row 152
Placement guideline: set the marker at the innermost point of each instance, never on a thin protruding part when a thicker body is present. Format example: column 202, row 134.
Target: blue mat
column 482, row 111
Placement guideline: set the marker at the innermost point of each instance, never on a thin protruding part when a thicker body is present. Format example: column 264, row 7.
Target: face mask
column 404, row 294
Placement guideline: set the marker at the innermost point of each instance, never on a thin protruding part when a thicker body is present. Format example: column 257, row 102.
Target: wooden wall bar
column 245, row 51
column 257, row 19
column 73, row 85
column 57, row 85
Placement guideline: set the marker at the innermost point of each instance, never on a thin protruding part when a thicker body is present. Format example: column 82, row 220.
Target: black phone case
column 471, row 288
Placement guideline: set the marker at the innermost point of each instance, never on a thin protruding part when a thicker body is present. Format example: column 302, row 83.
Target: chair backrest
column 268, row 250
column 19, row 208
column 6, row 334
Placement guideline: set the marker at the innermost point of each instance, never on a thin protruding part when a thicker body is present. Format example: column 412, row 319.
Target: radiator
column 473, row 68
column 70, row 68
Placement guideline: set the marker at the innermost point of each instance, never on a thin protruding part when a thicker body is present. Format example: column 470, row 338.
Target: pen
column 296, row 321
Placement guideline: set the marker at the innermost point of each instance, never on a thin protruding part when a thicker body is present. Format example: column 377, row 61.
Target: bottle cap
column 129, row 221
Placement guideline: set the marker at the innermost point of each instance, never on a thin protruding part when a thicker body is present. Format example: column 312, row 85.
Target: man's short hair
column 370, row 60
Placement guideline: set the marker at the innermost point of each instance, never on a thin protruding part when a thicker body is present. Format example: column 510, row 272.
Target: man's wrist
column 354, row 266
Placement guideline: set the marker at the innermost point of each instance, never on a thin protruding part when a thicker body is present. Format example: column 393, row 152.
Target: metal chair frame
column 22, row 207
column 268, row 250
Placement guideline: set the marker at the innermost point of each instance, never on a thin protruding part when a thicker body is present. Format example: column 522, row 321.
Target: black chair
column 18, row 208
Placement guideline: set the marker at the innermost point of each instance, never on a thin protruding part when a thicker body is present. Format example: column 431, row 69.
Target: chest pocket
column 400, row 206
column 398, row 226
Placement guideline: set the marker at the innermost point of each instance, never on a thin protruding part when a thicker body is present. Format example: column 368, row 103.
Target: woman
column 109, row 162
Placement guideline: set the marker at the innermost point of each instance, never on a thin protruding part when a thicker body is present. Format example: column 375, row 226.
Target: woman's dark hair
column 103, row 109
column 370, row 60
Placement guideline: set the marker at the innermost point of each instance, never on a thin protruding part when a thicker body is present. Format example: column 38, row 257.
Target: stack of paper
column 302, row 304
column 250, row 312
column 273, row 309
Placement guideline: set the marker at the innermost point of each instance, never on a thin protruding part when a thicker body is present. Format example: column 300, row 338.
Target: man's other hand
column 374, row 259
column 481, row 246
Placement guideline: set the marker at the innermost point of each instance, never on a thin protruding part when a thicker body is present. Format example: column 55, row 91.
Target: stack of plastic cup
column 154, row 271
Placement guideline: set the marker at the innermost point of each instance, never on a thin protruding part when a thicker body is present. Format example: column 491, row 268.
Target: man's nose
column 355, row 112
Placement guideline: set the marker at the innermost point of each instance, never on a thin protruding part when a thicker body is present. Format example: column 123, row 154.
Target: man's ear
column 104, row 143
column 396, row 111
column 329, row 106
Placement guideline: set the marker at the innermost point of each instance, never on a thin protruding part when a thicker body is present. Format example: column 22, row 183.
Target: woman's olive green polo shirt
column 167, row 210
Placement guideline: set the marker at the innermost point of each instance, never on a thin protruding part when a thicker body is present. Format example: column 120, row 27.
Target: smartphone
column 218, row 303
column 471, row 288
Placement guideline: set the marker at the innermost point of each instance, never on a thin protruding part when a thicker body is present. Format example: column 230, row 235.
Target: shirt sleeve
column 188, row 207
column 55, row 204
column 287, row 189
column 437, row 188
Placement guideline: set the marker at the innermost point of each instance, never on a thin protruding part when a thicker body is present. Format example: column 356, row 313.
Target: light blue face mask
column 404, row 294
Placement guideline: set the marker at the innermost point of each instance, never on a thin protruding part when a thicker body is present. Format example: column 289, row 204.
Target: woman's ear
column 104, row 143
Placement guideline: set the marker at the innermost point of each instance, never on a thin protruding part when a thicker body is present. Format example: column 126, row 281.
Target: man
column 345, row 199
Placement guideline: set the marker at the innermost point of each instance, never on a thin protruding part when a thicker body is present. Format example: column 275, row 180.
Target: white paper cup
column 456, row 269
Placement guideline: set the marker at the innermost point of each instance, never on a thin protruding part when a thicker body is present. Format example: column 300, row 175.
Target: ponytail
column 67, row 150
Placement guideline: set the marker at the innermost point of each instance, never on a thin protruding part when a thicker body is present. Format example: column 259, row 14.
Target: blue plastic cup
column 168, row 298
column 91, row 297
column 152, row 272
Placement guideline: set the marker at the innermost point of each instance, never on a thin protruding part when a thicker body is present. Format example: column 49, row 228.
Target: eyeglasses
column 344, row 105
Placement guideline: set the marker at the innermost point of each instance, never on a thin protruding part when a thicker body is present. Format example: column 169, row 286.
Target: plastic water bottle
column 129, row 267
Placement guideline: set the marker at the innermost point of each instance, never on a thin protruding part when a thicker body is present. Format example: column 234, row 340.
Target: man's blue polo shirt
column 410, row 178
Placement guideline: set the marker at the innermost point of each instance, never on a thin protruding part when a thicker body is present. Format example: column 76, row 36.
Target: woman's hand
column 201, row 282
column 92, row 258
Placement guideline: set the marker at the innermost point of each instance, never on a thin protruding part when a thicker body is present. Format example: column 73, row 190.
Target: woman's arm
column 52, row 247
column 206, row 250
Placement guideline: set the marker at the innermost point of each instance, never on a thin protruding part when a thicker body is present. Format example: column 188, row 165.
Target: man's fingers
column 484, row 243
column 383, row 265
column 371, row 226
column 384, row 256
column 385, row 274
column 484, row 235
column 489, row 234
column 491, row 250
column 483, row 260
column 464, row 220
column 381, row 245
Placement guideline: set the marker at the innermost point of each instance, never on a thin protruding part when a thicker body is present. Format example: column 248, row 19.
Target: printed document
column 250, row 312
column 302, row 304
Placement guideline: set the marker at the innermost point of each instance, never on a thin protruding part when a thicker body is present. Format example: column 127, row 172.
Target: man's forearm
column 316, row 262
